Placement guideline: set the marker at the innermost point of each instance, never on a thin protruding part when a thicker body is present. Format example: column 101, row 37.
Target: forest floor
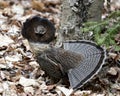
column 20, row 74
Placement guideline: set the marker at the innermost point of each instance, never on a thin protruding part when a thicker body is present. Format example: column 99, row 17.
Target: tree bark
column 74, row 13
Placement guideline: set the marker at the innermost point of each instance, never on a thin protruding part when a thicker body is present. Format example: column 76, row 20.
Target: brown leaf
column 52, row 2
column 82, row 93
column 19, row 88
column 16, row 76
column 2, row 61
column 112, row 71
column 3, row 4
column 37, row 5
column 3, row 48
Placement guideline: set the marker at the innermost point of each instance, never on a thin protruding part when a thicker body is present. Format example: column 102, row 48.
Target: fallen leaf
column 96, row 94
column 13, row 31
column 2, row 75
column 2, row 61
column 19, row 88
column 18, row 9
column 5, row 40
column 3, row 66
column 54, row 2
column 14, row 58
column 2, row 19
column 26, row 44
column 115, row 4
column 29, row 90
column 34, row 64
column 7, row 12
column 82, row 93
column 112, row 71
column 3, row 4
column 15, row 76
column 1, row 89
column 65, row 91
column 116, row 86
column 37, row 5
column 5, row 86
column 28, row 82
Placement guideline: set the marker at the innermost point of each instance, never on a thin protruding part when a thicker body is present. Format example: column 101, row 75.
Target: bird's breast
column 38, row 47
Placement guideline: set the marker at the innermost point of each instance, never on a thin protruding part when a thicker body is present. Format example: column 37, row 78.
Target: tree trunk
column 74, row 13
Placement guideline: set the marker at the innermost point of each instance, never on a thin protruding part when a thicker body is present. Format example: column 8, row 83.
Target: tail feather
column 94, row 57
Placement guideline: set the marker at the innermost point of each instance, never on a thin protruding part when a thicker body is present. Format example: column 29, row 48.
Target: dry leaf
column 16, row 76
column 28, row 82
column 115, row 4
column 2, row 75
column 65, row 91
column 2, row 61
column 82, row 93
column 18, row 9
column 34, row 64
column 5, row 86
column 96, row 94
column 26, row 44
column 3, row 4
column 116, row 86
column 53, row 2
column 1, row 88
column 5, row 40
column 3, row 66
column 7, row 12
column 37, row 5
column 112, row 71
column 13, row 32
column 2, row 19
column 29, row 90
column 17, row 53
column 14, row 58
column 115, row 57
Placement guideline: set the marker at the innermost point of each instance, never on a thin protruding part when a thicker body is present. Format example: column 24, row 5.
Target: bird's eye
column 40, row 29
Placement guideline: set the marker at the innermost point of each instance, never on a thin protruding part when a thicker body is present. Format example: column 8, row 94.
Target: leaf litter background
column 20, row 75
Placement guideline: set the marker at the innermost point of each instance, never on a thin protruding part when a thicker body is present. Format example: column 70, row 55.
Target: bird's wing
column 94, row 57
column 49, row 66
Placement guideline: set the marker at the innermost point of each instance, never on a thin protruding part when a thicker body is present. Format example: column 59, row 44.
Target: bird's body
column 61, row 59
column 77, row 60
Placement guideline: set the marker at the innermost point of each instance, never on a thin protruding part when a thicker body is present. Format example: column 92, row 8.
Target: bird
column 76, row 60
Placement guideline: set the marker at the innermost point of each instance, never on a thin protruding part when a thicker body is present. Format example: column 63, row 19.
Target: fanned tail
column 94, row 57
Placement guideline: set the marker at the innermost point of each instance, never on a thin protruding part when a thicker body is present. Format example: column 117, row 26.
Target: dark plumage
column 77, row 60
column 38, row 29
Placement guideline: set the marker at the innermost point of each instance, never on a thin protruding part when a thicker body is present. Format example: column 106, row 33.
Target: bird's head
column 38, row 29
column 39, row 32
